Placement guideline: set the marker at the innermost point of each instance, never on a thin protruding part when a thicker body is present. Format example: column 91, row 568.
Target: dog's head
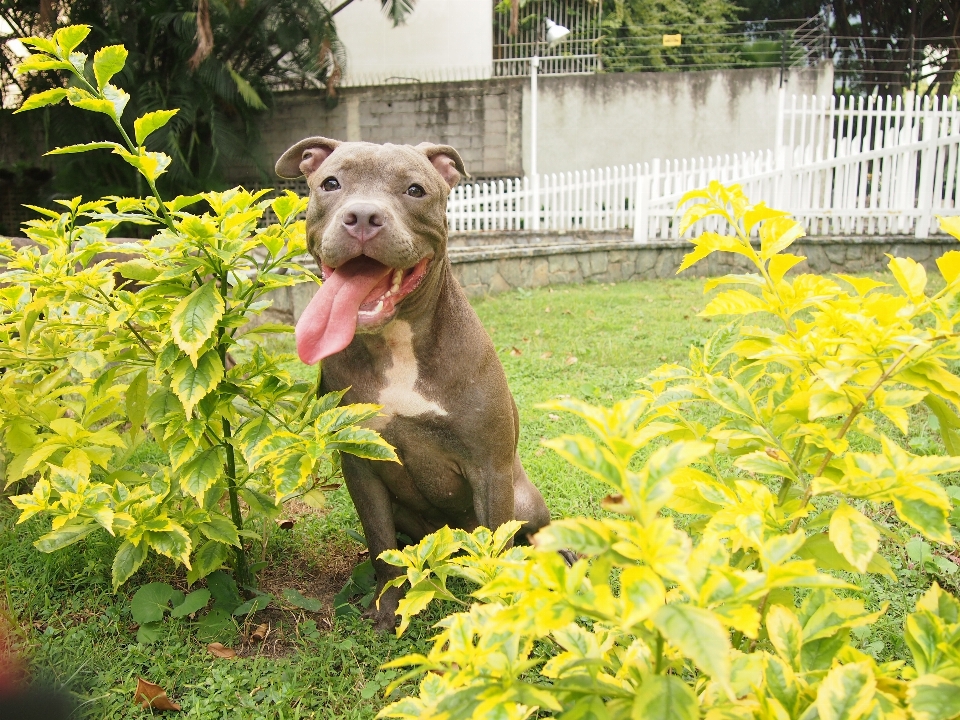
column 376, row 225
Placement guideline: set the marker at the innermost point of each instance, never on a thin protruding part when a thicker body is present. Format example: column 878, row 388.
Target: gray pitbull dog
column 392, row 324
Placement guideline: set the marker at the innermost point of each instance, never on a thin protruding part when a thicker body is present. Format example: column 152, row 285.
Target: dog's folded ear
column 446, row 160
column 305, row 157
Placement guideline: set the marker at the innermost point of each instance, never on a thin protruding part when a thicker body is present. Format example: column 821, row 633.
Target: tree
column 218, row 61
column 632, row 33
column 872, row 40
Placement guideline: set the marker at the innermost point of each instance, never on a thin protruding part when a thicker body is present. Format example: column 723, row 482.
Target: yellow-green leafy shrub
column 120, row 408
column 723, row 607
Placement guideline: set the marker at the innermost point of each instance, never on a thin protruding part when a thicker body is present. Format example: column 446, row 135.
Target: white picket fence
column 876, row 166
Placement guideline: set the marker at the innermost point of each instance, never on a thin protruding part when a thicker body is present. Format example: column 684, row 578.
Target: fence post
column 641, row 220
column 927, row 155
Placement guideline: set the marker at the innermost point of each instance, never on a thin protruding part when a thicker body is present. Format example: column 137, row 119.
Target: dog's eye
column 416, row 191
column 330, row 184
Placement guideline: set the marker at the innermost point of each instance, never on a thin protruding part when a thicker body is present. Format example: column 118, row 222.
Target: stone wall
column 497, row 262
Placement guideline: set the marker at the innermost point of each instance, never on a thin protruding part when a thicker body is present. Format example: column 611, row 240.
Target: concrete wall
column 448, row 34
column 585, row 121
column 590, row 121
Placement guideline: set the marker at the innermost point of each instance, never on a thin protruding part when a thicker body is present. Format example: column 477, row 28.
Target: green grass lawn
column 590, row 341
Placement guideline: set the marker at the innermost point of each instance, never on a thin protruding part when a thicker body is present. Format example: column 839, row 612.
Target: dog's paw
column 383, row 614
column 383, row 620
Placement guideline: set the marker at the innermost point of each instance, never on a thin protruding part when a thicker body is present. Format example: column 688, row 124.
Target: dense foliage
column 255, row 45
column 122, row 407
column 710, row 589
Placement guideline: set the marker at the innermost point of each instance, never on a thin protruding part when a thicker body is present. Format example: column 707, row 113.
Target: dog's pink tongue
column 329, row 322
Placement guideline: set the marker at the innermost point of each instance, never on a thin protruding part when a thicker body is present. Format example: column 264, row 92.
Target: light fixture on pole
column 555, row 35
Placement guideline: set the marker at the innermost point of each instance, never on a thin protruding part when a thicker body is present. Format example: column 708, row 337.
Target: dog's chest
column 399, row 395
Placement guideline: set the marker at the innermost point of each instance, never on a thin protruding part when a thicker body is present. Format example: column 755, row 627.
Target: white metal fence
column 875, row 166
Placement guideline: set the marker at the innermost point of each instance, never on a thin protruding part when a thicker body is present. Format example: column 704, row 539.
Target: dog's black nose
column 363, row 220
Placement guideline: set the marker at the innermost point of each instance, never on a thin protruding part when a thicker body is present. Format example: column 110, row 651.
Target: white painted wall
column 450, row 37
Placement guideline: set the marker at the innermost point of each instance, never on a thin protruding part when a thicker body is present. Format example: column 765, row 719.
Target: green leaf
column 363, row 443
column 145, row 125
column 288, row 205
column 192, row 384
column 925, row 511
column 949, row 423
column 785, row 633
column 762, row 463
column 854, row 536
column 665, row 697
column 819, row 549
column 136, row 399
column 173, row 542
column 847, row 692
column 297, row 600
column 149, row 633
column 224, row 590
column 68, row 38
column 259, row 503
column 66, row 535
column 107, row 62
column 216, row 626
column 199, row 475
column 151, row 601
column 127, row 561
column 83, row 147
column 195, row 318
column 932, row 697
column 42, row 99
column 221, row 529
column 249, row 95
column 253, row 605
column 699, row 635
column 642, row 593
column 209, row 558
column 150, row 164
column 193, row 602
column 138, row 269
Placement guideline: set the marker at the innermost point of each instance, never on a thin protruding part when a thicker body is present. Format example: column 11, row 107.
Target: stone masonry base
column 491, row 263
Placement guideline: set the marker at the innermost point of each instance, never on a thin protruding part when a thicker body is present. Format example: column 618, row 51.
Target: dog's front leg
column 375, row 508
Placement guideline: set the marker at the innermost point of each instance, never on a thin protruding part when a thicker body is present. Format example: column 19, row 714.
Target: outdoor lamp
column 555, row 33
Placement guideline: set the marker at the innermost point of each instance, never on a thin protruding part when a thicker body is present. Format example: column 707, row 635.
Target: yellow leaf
column 78, row 461
column 949, row 264
column 950, row 225
column 710, row 242
column 780, row 264
column 744, row 618
column 910, row 276
column 862, row 285
column 778, row 234
column 827, row 403
column 759, row 213
column 734, row 302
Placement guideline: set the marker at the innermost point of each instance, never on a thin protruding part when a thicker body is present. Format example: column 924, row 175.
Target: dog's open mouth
column 361, row 292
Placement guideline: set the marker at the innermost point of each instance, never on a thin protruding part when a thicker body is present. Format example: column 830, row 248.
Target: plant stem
column 658, row 668
column 846, row 426
column 241, row 571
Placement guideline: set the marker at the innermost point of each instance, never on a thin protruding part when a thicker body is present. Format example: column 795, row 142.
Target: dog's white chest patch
column 399, row 396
